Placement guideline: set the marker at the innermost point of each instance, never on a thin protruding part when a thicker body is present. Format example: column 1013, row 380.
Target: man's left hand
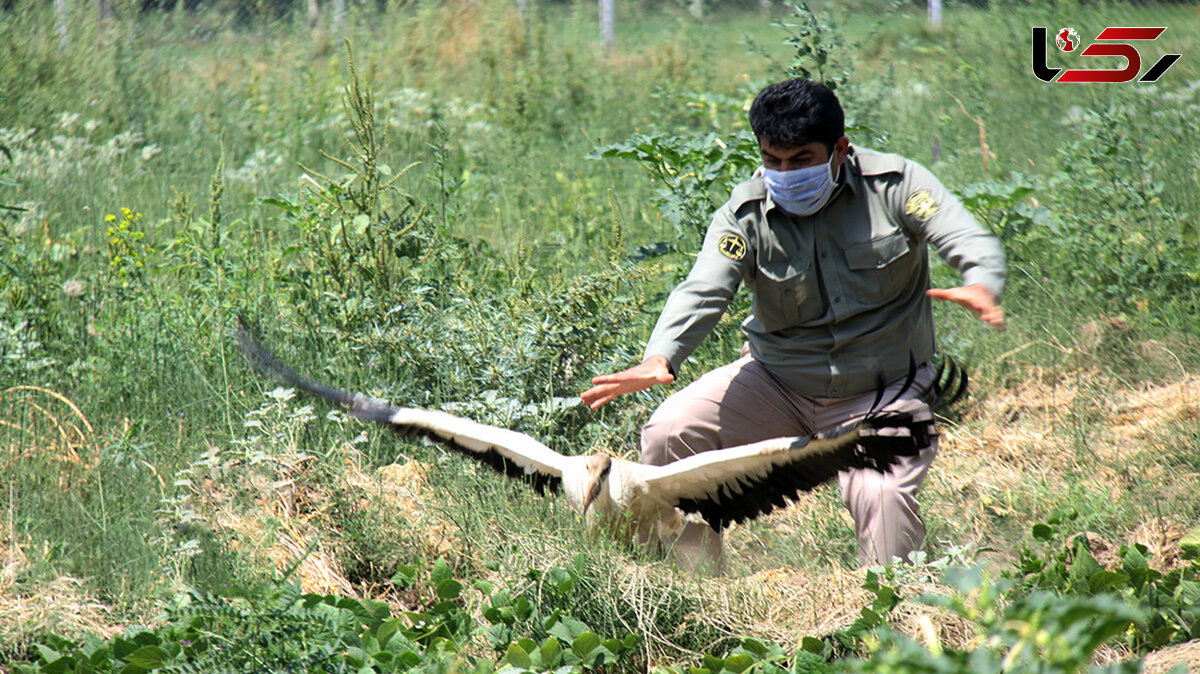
column 976, row 298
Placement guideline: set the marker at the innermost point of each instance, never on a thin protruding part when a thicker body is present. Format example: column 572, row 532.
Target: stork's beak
column 592, row 492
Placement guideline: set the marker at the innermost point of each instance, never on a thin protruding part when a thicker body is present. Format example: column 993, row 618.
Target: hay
column 62, row 605
column 48, row 428
column 403, row 488
column 1161, row 661
column 1161, row 537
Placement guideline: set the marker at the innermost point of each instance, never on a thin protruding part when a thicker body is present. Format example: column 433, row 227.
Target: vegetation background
column 476, row 206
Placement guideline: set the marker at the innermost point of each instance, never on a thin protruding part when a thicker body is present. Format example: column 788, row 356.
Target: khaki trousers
column 741, row 403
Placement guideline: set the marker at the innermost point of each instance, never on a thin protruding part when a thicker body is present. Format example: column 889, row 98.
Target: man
column 831, row 241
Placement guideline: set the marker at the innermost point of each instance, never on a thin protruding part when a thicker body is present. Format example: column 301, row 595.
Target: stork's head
column 598, row 467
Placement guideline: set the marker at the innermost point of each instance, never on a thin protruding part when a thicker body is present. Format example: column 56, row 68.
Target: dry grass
column 62, row 605
column 43, row 428
column 1160, row 662
column 1048, row 432
column 289, row 523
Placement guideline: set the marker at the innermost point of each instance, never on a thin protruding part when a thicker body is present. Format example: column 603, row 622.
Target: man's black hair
column 797, row 111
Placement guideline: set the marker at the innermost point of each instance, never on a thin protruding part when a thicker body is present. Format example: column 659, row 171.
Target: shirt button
column 824, row 255
column 838, row 300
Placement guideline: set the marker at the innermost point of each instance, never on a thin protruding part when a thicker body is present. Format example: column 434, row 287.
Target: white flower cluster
column 65, row 149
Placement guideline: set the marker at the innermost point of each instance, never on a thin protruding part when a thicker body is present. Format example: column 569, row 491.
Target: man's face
column 787, row 157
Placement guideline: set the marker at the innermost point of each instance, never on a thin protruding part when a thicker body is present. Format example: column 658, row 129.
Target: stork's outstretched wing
column 509, row 452
column 740, row 483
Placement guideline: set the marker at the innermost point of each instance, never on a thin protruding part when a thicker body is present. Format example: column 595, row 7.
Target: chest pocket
column 879, row 268
column 786, row 293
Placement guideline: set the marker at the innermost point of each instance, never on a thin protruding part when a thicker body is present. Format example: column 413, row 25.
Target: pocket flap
column 783, row 273
column 877, row 253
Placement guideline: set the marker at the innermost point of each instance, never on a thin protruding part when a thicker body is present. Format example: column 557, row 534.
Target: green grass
column 507, row 288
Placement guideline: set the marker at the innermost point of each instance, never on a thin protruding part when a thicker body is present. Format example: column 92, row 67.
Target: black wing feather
column 882, row 438
column 369, row 409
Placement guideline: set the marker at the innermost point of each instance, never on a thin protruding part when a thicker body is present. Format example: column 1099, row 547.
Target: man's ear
column 841, row 147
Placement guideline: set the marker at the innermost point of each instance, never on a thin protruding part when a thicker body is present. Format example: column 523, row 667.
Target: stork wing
column 739, row 483
column 512, row 453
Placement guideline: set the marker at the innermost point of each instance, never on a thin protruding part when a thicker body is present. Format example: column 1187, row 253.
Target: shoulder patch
column 921, row 205
column 732, row 246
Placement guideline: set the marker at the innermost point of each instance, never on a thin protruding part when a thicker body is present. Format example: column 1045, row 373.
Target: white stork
column 720, row 486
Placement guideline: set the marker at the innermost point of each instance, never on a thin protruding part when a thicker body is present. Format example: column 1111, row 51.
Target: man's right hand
column 654, row 370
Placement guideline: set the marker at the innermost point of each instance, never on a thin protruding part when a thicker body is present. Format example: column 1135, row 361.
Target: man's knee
column 872, row 493
column 666, row 440
column 886, row 516
column 657, row 442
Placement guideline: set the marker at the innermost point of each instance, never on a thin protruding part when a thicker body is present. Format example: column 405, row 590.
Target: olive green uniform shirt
column 839, row 296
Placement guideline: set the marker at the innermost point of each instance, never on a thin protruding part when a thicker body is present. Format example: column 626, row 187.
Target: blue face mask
column 802, row 191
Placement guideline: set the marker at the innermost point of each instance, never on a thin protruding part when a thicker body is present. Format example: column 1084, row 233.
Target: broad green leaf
column 1083, row 567
column 376, row 611
column 816, row 646
column 123, row 647
column 522, row 608
column 517, row 657
column 1043, row 532
column 449, row 589
column 551, row 651
column 48, row 654
column 148, row 657
column 584, row 644
column 385, row 631
column 281, row 204
column 441, row 571
column 356, row 656
column 499, row 635
column 528, row 645
column 405, row 575
column 713, row 663
column 1162, row 636
column 503, row 615
column 755, row 646
column 567, row 629
column 560, row 579
column 738, row 663
column 1107, row 581
column 1189, row 545
column 1189, row 593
